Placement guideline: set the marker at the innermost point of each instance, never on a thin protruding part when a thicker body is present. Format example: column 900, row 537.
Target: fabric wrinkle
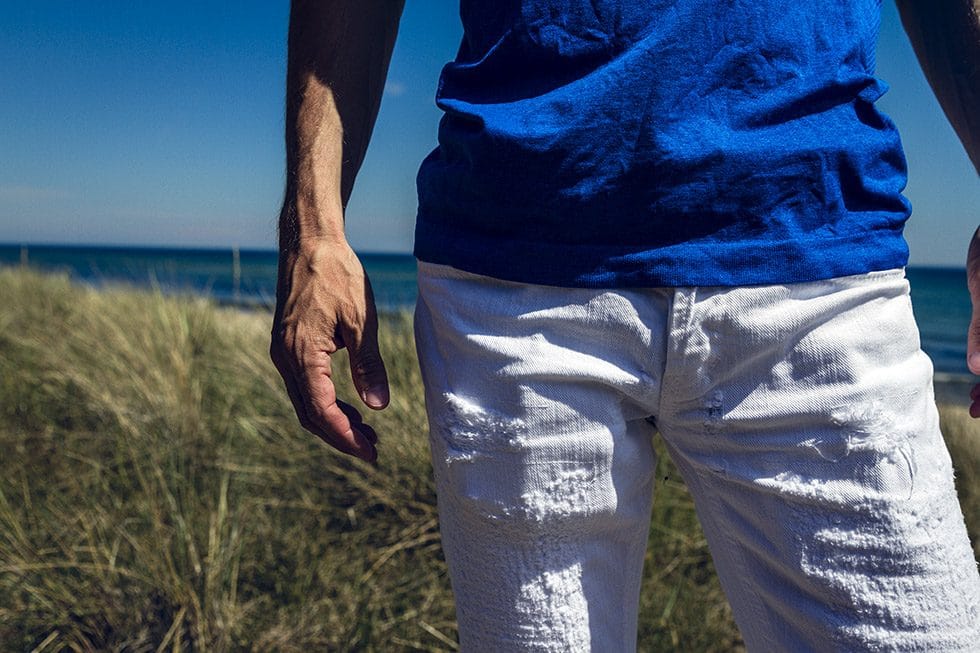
column 810, row 445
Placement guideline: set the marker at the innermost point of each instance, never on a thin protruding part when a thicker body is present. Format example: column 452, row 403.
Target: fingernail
column 376, row 397
column 975, row 361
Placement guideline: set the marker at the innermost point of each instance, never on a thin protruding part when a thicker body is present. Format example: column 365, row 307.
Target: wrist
column 303, row 229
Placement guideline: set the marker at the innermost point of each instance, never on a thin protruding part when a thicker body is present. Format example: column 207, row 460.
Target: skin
column 339, row 52
column 338, row 60
column 946, row 38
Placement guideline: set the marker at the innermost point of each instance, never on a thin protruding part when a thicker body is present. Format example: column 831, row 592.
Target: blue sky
column 161, row 124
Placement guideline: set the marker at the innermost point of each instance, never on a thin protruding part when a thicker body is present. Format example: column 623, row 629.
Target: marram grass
column 157, row 494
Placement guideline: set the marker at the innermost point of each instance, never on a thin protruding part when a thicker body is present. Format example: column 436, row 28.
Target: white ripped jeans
column 801, row 417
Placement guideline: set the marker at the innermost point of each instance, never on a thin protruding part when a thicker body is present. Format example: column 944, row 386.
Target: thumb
column 973, row 339
column 366, row 366
column 973, row 282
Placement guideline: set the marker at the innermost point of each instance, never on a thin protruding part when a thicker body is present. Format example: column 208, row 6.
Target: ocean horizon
column 247, row 278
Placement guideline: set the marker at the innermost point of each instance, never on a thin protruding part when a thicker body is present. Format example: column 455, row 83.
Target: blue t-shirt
column 607, row 143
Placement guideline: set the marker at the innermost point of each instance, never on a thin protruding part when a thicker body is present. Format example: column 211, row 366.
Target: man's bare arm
column 339, row 52
column 946, row 38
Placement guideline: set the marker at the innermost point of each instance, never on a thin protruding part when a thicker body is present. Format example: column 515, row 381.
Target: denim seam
column 679, row 330
column 678, row 327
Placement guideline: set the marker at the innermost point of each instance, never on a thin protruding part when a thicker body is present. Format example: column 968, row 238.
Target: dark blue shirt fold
column 654, row 143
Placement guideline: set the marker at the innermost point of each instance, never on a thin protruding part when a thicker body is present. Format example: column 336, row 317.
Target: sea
column 247, row 278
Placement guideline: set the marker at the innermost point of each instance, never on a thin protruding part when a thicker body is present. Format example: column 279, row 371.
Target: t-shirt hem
column 740, row 263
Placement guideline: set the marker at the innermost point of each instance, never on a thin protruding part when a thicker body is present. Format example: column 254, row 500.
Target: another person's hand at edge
column 946, row 38
column 973, row 335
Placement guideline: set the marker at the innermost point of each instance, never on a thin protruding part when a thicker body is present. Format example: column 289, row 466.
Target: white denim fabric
column 801, row 416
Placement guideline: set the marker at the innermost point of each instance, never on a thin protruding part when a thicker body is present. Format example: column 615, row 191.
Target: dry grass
column 156, row 494
column 962, row 435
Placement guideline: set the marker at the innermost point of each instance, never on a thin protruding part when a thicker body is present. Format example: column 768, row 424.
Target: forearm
column 338, row 58
column 946, row 38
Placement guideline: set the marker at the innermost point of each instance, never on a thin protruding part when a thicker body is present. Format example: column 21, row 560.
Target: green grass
column 157, row 494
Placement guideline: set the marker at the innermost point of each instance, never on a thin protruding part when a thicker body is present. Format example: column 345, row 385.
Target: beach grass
column 157, row 494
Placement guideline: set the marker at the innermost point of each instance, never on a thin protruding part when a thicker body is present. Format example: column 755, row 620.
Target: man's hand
column 338, row 60
column 973, row 336
column 324, row 303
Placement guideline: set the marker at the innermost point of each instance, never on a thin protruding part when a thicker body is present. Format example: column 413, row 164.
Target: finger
column 357, row 439
column 302, row 413
column 357, row 422
column 370, row 434
column 975, row 401
column 366, row 366
column 308, row 414
column 973, row 339
column 292, row 390
column 320, row 398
